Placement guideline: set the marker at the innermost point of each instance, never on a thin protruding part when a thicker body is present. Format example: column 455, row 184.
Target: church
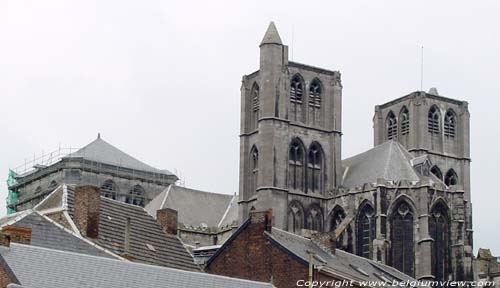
column 405, row 203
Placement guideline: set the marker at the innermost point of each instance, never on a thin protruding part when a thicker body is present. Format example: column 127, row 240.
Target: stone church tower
column 286, row 104
column 405, row 202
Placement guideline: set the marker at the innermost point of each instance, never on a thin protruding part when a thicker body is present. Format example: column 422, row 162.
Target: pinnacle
column 272, row 36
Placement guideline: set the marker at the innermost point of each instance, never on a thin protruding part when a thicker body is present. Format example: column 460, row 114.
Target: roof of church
column 44, row 268
column 343, row 264
column 197, row 208
column 46, row 233
column 272, row 36
column 148, row 243
column 103, row 152
column 388, row 161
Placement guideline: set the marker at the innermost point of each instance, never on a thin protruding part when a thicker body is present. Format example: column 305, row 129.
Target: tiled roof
column 45, row 233
column 148, row 243
column 197, row 208
column 47, row 268
column 389, row 161
column 103, row 152
column 342, row 264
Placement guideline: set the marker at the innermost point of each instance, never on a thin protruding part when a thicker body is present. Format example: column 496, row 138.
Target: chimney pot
column 167, row 218
column 87, row 210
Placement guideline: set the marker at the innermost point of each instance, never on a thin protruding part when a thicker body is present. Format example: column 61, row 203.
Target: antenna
column 422, row 70
column 291, row 52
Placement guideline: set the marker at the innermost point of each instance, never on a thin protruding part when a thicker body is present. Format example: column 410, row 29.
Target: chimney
column 87, row 209
column 263, row 218
column 15, row 234
column 167, row 218
column 326, row 240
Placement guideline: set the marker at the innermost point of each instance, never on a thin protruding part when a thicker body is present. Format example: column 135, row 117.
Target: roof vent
column 433, row 91
column 150, row 247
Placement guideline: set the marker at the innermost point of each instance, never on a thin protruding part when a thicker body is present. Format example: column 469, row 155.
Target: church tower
column 290, row 142
column 430, row 125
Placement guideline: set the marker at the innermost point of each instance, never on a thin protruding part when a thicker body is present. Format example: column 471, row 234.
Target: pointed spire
column 272, row 36
column 99, row 135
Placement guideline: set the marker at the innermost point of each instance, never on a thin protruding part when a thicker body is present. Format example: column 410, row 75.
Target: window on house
column 402, row 239
column 295, row 217
column 296, row 98
column 392, row 126
column 439, row 230
column 338, row 215
column 433, row 124
column 315, row 102
column 109, row 189
column 450, row 124
column 405, row 121
column 451, row 178
column 437, row 172
column 296, row 165
column 254, row 169
column 255, row 105
column 365, row 230
column 136, row 196
column 315, row 169
column 315, row 219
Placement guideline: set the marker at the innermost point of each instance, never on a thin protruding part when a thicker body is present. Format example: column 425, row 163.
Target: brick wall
column 167, row 218
column 251, row 256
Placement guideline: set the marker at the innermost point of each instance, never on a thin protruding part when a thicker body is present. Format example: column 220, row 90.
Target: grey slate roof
column 45, row 233
column 197, row 208
column 388, row 161
column 343, row 264
column 103, row 152
column 167, row 250
column 47, row 268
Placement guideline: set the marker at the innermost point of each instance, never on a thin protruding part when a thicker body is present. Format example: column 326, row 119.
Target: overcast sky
column 161, row 79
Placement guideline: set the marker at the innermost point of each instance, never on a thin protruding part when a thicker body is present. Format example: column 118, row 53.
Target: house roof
column 148, row 243
column 43, row 268
column 46, row 233
column 345, row 265
column 197, row 208
column 388, row 161
column 103, row 152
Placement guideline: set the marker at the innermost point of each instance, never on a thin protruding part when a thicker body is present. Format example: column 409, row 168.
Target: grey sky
column 160, row 79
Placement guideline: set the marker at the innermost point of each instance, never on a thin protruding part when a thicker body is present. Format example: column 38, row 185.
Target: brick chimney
column 167, row 218
column 325, row 240
column 87, row 209
column 15, row 234
column 262, row 218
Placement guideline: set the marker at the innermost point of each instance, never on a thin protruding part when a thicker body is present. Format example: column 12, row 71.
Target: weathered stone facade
column 386, row 204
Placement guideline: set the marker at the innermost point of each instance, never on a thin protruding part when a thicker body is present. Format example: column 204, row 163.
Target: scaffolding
column 12, row 195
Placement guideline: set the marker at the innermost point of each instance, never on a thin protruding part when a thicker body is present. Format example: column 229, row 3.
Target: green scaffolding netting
column 12, row 195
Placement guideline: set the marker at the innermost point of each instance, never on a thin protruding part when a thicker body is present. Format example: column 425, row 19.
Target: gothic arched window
column 295, row 217
column 255, row 106
column 392, row 126
column 296, row 98
column 315, row 102
column 437, row 172
column 109, row 189
column 434, row 120
column 315, row 219
column 439, row 230
column 296, row 165
column 338, row 215
column 404, row 119
column 451, row 178
column 254, row 169
column 402, row 239
column 315, row 168
column 365, row 224
column 136, row 196
column 450, row 124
